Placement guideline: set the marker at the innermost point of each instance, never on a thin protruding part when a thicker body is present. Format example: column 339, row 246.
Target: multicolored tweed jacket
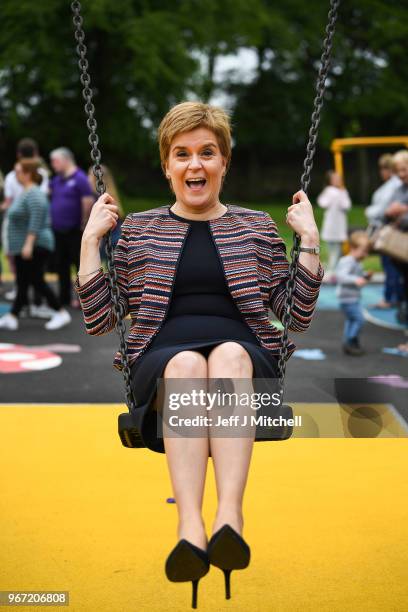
column 146, row 258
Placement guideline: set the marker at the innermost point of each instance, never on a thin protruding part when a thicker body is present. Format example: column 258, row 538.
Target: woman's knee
column 186, row 364
column 231, row 357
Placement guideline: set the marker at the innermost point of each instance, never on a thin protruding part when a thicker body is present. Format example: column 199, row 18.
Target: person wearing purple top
column 71, row 201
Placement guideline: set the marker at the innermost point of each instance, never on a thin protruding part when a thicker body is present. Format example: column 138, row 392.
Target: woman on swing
column 197, row 278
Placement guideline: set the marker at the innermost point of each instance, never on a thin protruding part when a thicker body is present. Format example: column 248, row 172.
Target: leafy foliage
column 146, row 55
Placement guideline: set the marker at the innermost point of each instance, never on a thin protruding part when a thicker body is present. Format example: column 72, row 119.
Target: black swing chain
column 305, row 181
column 100, row 188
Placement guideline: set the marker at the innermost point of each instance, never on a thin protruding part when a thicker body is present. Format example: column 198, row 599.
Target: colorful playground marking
column 392, row 380
column 394, row 351
column 18, row 358
column 310, row 354
column 327, row 300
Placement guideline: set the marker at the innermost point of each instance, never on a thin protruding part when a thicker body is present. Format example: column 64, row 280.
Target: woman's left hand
column 300, row 217
column 27, row 251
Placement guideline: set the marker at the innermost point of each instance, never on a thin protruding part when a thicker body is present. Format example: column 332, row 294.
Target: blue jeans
column 394, row 283
column 354, row 319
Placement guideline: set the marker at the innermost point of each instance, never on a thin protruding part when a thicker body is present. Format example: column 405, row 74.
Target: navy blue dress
column 201, row 315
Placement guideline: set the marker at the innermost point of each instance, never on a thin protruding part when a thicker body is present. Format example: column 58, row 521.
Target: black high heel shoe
column 228, row 550
column 187, row 562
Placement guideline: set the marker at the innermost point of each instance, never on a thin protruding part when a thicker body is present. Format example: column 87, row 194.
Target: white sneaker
column 41, row 312
column 59, row 319
column 11, row 295
column 8, row 321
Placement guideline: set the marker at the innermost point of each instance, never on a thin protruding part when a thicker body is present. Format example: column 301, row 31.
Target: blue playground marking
column 384, row 318
column 370, row 295
column 395, row 351
column 327, row 300
column 4, row 307
column 310, row 354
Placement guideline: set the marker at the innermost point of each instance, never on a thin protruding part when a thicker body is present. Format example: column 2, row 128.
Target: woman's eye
column 207, row 152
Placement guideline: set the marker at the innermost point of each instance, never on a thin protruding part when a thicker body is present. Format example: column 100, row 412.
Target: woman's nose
column 195, row 161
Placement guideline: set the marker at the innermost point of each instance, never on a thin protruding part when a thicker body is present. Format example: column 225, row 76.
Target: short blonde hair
column 187, row 116
column 358, row 238
column 386, row 161
column 400, row 157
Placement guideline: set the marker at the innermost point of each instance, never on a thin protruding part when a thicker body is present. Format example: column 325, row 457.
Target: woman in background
column 31, row 242
column 336, row 201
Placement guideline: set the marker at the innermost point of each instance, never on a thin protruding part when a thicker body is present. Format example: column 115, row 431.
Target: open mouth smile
column 196, row 184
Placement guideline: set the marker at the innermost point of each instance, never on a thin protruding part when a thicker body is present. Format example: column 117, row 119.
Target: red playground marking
column 17, row 358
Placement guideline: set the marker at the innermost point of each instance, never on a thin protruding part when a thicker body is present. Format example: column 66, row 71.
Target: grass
column 277, row 210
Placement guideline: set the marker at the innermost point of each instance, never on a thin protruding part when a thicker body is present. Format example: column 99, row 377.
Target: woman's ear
column 224, row 163
column 166, row 171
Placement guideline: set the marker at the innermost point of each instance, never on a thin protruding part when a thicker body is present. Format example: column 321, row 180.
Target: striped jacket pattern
column 253, row 257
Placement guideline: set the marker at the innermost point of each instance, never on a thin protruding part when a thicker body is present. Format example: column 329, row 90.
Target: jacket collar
column 226, row 215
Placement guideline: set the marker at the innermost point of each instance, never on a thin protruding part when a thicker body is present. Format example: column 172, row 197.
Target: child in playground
column 350, row 278
column 336, row 201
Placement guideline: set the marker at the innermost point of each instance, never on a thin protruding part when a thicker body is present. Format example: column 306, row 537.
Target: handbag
column 391, row 241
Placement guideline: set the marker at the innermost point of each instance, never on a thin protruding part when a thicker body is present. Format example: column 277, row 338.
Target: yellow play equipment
column 339, row 144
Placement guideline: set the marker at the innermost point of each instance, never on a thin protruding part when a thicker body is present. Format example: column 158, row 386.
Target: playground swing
column 129, row 434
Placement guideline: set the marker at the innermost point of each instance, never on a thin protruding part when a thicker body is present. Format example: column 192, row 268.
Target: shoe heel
column 227, row 576
column 227, row 550
column 195, row 592
column 186, row 563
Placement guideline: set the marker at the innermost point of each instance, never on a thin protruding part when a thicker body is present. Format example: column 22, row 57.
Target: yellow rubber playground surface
column 326, row 519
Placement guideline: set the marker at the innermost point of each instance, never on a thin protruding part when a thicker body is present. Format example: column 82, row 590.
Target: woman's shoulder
column 241, row 213
column 35, row 192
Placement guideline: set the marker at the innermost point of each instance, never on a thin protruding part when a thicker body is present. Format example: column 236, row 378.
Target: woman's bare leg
column 231, row 456
column 187, row 457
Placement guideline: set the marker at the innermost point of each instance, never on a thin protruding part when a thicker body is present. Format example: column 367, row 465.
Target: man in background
column 71, row 202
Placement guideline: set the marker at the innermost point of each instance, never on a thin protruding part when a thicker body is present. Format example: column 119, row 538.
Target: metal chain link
column 100, row 188
column 305, row 181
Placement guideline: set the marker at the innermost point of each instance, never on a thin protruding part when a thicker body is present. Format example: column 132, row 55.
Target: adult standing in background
column 26, row 148
column 1, row 220
column 71, row 202
column 397, row 213
column 381, row 198
column 31, row 241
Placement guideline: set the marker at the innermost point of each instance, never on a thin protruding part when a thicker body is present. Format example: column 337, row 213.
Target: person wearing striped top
column 197, row 279
column 31, row 241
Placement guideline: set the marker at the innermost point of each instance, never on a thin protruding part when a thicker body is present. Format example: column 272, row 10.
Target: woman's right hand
column 104, row 216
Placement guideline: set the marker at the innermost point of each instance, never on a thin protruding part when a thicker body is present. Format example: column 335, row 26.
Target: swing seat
column 278, row 432
column 129, row 432
column 130, row 435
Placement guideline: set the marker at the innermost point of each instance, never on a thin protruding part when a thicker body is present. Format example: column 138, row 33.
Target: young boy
column 350, row 278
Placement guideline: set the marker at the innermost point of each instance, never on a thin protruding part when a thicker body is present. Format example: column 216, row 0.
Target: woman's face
column 21, row 177
column 385, row 173
column 402, row 171
column 196, row 155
